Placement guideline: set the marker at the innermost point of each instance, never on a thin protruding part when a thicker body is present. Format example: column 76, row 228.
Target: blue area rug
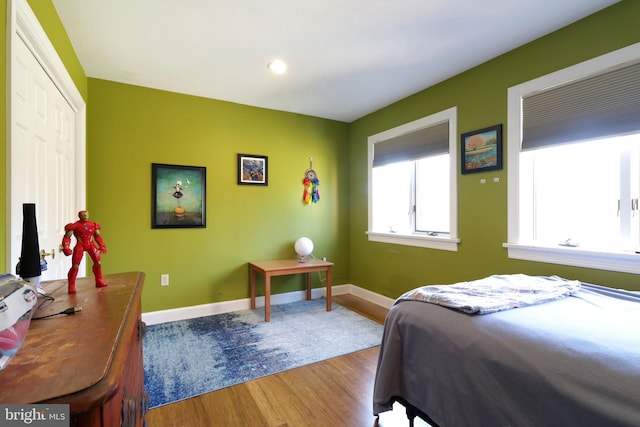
column 191, row 357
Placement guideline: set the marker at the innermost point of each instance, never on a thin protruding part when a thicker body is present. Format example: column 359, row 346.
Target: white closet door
column 42, row 158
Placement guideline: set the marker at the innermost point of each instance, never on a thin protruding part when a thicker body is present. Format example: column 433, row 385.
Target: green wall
column 481, row 97
column 130, row 127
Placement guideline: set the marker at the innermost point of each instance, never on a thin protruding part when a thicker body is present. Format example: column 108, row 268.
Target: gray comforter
column 570, row 362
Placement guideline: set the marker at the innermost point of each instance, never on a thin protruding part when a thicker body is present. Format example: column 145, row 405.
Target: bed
column 571, row 361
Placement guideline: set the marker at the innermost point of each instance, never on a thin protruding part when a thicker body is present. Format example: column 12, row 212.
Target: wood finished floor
column 334, row 392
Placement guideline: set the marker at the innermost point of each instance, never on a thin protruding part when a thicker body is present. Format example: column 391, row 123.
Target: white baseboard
column 182, row 313
column 365, row 294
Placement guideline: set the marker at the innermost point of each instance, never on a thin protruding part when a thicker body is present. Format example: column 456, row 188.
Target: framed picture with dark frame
column 253, row 169
column 178, row 196
column 482, row 149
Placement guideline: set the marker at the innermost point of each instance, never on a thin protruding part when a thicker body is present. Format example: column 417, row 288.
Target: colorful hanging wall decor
column 310, row 182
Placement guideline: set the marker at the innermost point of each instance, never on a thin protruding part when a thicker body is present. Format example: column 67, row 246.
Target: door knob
column 43, row 254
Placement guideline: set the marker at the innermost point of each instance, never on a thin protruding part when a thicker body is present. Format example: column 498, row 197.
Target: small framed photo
column 253, row 170
column 482, row 149
column 178, row 196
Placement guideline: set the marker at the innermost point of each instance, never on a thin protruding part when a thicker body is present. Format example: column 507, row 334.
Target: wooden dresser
column 91, row 360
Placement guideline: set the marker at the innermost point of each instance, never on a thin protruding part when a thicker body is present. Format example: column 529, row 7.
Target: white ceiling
column 346, row 58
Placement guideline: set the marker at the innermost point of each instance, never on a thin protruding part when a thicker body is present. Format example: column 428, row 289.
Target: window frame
column 447, row 242
column 628, row 262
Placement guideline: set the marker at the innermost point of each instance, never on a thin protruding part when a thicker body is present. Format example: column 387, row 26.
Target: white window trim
column 450, row 242
column 431, row 242
column 614, row 261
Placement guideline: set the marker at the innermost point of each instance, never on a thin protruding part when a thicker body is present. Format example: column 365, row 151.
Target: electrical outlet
column 164, row 280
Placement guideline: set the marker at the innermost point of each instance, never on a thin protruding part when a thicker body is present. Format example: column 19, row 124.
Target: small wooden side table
column 283, row 267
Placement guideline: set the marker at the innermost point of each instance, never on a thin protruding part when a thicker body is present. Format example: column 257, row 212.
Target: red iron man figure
column 87, row 234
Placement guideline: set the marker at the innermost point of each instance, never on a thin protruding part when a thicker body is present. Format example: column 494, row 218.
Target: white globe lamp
column 303, row 247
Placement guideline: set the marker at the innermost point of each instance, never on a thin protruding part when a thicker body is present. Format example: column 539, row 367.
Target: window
column 574, row 161
column 412, row 183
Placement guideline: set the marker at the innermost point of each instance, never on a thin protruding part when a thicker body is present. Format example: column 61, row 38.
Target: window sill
column 625, row 262
column 431, row 242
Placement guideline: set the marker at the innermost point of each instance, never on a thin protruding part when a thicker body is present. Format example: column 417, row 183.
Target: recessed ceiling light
column 277, row 66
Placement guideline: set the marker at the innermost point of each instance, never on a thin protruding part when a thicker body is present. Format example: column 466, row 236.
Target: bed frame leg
column 411, row 415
